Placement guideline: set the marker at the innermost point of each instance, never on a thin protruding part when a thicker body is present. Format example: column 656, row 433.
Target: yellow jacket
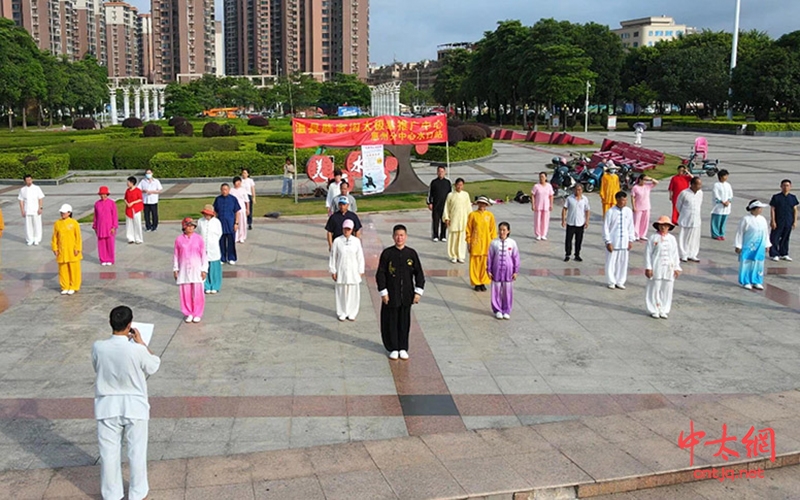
column 609, row 187
column 481, row 230
column 2, row 223
column 67, row 240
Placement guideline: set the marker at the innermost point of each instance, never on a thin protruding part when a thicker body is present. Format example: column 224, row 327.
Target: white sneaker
column 611, row 286
column 403, row 355
column 30, row 243
column 70, row 292
column 664, row 316
column 506, row 316
column 36, row 244
column 232, row 262
column 748, row 286
column 188, row 319
column 213, row 292
column 538, row 238
column 621, row 287
column 342, row 317
column 436, row 239
column 776, row 258
column 460, row 261
column 758, row 287
column 453, row 260
column 786, row 258
column 196, row 319
column 444, row 239
column 208, row 292
column 394, row 355
column 655, row 315
column 64, row 292
column 544, row 238
column 498, row 315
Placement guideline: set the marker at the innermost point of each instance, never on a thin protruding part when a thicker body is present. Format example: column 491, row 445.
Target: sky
column 410, row 30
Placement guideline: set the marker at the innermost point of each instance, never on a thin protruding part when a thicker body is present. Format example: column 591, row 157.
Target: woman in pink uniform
column 541, row 204
column 105, row 227
column 641, row 205
column 190, row 268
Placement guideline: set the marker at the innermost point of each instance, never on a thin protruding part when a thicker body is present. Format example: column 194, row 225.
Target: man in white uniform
column 661, row 267
column 689, row 206
column 618, row 235
column 346, row 265
column 151, row 188
column 120, row 404
column 30, row 206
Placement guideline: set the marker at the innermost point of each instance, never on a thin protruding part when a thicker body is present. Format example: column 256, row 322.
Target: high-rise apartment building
column 122, row 44
column 219, row 48
column 183, row 36
column 71, row 28
column 273, row 37
column 144, row 35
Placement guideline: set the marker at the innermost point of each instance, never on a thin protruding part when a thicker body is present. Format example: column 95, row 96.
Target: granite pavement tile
column 359, row 485
column 306, row 488
column 485, row 476
column 420, row 481
column 225, row 492
column 400, row 452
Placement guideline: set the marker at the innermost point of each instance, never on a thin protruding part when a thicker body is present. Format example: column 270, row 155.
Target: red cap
column 103, row 190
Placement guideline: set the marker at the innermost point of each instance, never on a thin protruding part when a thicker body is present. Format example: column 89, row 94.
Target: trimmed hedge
column 176, row 120
column 463, row 151
column 132, row 123
column 454, row 136
column 227, row 130
column 215, row 164
column 773, row 127
column 258, row 121
column 83, row 124
column 184, row 129
column 274, row 148
column 211, row 129
column 48, row 166
column 472, row 133
column 153, row 130
column 281, row 137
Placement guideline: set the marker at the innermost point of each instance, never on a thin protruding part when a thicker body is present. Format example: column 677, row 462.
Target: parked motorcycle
column 591, row 177
column 627, row 177
column 564, row 179
column 698, row 165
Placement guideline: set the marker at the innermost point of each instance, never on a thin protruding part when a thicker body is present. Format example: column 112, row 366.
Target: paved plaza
column 271, row 368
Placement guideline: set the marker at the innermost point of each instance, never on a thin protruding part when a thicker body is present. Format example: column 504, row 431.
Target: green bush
column 773, row 127
column 281, row 137
column 274, row 148
column 137, row 155
column 97, row 154
column 462, row 151
column 184, row 129
column 48, row 166
column 215, row 164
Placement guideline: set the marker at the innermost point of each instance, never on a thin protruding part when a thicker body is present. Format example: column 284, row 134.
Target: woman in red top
column 676, row 186
column 133, row 212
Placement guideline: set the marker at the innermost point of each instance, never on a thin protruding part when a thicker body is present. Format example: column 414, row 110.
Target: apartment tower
column 122, row 45
column 144, row 35
column 183, row 33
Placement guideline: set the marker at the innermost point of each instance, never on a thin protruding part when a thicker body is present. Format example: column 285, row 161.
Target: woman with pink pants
column 541, row 205
column 190, row 269
column 641, row 205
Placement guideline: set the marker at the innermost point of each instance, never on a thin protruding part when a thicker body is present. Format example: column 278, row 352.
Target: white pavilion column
column 155, row 104
column 112, row 96
column 161, row 102
column 126, row 102
column 146, row 93
column 137, row 102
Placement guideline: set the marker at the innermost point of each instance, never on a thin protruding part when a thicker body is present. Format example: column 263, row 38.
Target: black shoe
column 483, row 288
column 477, row 288
column 566, row 259
column 249, row 228
column 578, row 258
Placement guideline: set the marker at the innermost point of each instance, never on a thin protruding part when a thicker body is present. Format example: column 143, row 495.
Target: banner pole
column 447, row 151
column 294, row 183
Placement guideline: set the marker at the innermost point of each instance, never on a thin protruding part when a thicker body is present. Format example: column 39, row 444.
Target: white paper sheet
column 145, row 330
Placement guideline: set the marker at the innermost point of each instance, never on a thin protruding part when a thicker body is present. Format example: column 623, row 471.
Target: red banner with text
column 379, row 130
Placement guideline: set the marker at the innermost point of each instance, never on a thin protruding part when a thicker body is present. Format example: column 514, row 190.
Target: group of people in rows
column 465, row 230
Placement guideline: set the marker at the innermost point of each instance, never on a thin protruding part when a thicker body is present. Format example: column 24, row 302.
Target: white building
column 647, row 31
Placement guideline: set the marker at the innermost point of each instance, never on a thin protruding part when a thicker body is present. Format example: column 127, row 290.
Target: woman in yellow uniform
column 609, row 187
column 68, row 249
column 481, row 230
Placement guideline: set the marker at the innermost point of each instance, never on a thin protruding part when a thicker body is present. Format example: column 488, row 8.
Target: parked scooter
column 564, row 178
column 591, row 177
column 627, row 177
column 698, row 165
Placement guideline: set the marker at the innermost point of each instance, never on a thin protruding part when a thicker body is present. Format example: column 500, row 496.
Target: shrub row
column 462, row 151
column 773, row 127
column 214, row 129
column 135, row 153
column 215, row 164
column 274, row 148
column 48, row 166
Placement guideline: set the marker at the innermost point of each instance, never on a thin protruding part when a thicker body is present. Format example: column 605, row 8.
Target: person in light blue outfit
column 210, row 228
column 752, row 242
column 723, row 197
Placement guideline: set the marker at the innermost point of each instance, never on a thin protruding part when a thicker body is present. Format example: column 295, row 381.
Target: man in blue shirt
column 227, row 207
column 783, row 211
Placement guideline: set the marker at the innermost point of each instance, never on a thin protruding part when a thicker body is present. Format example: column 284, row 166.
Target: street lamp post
column 416, row 110
column 586, row 111
column 734, row 52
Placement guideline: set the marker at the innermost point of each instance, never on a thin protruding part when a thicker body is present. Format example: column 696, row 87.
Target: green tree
column 451, row 78
column 180, row 100
column 344, row 89
column 56, row 81
column 607, row 55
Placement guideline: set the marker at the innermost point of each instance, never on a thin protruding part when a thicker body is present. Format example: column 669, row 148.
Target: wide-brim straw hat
column 188, row 221
column 208, row 210
column 664, row 219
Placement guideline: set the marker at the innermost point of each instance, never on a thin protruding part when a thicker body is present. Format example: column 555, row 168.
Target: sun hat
column 66, row 208
column 103, row 190
column 348, row 224
column 188, row 221
column 756, row 204
column 484, row 200
column 208, row 210
column 664, row 219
